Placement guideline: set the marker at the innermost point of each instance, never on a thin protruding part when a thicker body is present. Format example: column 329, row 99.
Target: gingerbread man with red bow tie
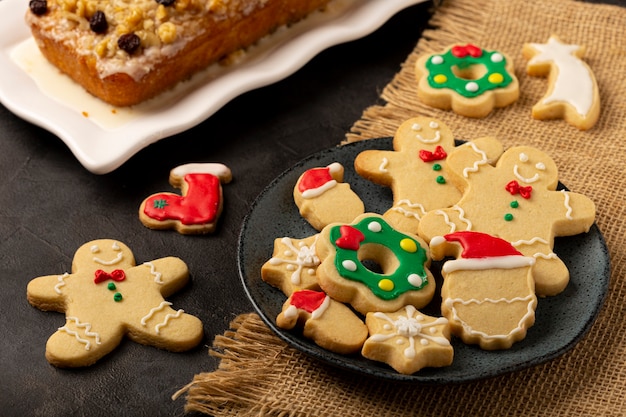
column 107, row 297
column 416, row 170
column 516, row 200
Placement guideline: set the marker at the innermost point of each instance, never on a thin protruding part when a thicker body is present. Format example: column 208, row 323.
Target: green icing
column 411, row 264
column 460, row 85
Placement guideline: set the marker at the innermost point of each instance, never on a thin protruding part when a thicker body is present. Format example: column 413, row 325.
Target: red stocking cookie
column 197, row 209
column 107, row 297
column 323, row 198
column 573, row 92
column 488, row 292
column 517, row 201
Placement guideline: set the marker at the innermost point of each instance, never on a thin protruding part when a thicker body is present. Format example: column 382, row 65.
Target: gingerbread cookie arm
column 46, row 292
column 473, row 158
column 579, row 214
column 169, row 274
column 372, row 165
column 166, row 328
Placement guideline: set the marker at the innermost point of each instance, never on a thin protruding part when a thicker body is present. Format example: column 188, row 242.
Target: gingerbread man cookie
column 408, row 340
column 346, row 276
column 416, row 170
column 330, row 324
column 515, row 200
column 467, row 79
column 197, row 209
column 293, row 265
column 488, row 291
column 573, row 92
column 323, row 198
column 107, row 297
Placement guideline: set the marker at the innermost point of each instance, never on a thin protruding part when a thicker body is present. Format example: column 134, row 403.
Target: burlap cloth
column 260, row 375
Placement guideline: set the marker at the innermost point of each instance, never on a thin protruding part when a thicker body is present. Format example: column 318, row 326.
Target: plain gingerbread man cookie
column 467, row 79
column 197, row 209
column 107, row 297
column 416, row 170
column 517, row 201
column 323, row 198
column 573, row 92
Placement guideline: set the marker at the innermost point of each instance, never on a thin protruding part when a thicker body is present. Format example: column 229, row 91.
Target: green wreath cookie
column 467, row 79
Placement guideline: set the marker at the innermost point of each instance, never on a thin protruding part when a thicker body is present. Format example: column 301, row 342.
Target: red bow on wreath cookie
column 460, row 51
column 513, row 187
column 116, row 275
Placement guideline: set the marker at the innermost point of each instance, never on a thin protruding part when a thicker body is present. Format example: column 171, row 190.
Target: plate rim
column 338, row 361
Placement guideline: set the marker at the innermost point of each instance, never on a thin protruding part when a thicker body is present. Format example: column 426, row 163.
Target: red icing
column 513, row 187
column 481, row 245
column 314, row 178
column 350, row 238
column 116, row 275
column 307, row 300
column 199, row 206
column 460, row 51
column 428, row 156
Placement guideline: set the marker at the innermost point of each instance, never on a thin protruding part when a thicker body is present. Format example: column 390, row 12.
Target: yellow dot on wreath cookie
column 440, row 78
column 408, row 245
column 496, row 78
column 386, row 284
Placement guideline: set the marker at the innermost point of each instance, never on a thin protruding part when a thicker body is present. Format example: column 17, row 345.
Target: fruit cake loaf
column 127, row 51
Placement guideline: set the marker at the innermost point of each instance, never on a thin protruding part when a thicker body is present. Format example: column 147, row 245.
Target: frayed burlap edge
column 242, row 384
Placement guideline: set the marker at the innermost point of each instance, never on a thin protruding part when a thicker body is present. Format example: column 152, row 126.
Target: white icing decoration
column 416, row 280
column 115, row 246
column 374, row 226
column 61, row 279
column 540, row 166
column 349, row 265
column 529, row 242
column 568, row 208
column 462, row 217
column 383, row 165
column 317, row 313
column 219, row 170
column 433, row 125
column 573, row 82
column 94, row 249
column 416, row 127
column 406, row 212
column 410, row 328
column 291, row 312
column 471, row 87
column 157, row 275
column 437, row 59
column 497, row 57
column 496, row 262
column 519, row 176
column 88, row 332
column 548, row 256
column 316, row 192
column 450, row 302
column 306, row 257
column 161, row 306
column 523, row 157
column 451, row 224
column 477, row 164
column 446, row 219
column 158, row 327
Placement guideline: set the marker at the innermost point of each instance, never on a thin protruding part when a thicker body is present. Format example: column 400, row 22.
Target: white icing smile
column 117, row 259
column 540, row 166
column 433, row 125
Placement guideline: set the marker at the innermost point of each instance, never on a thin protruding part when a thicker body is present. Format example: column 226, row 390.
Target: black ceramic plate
column 561, row 321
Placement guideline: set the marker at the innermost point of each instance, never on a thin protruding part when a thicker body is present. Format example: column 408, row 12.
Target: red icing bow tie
column 116, row 275
column 460, row 51
column 514, row 188
column 428, row 156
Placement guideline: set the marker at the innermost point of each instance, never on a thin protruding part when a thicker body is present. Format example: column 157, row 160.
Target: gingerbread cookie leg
column 573, row 92
column 197, row 209
column 323, row 198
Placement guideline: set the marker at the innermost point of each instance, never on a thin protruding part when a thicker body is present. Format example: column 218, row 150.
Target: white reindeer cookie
column 573, row 90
